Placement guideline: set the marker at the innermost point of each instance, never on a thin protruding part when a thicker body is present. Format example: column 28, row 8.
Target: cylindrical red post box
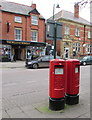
column 57, row 84
column 72, row 81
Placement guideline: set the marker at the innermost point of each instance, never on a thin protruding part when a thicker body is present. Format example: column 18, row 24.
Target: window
column 88, row 48
column 77, row 32
column 34, row 35
column 35, row 20
column 18, row 34
column 89, row 34
column 18, row 19
column 66, row 30
column 77, row 47
column 46, row 58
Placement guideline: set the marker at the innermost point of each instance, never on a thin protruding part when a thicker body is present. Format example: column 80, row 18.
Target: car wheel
column 84, row 63
column 35, row 66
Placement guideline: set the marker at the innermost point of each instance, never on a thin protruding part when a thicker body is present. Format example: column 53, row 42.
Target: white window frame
column 34, row 20
column 18, row 36
column 89, row 34
column 34, row 35
column 66, row 30
column 77, row 32
column 18, row 19
column 77, row 47
column 88, row 48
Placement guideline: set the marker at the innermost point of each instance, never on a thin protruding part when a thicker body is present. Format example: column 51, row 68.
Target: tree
column 84, row 2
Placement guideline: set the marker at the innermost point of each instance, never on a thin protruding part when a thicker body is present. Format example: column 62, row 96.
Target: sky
column 45, row 7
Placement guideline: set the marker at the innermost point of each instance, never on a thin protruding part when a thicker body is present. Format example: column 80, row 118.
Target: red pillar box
column 57, row 84
column 72, row 81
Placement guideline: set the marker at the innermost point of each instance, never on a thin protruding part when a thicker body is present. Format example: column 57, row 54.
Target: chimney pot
column 76, row 10
column 33, row 5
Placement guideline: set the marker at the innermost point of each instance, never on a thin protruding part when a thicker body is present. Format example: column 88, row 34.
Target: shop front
column 18, row 50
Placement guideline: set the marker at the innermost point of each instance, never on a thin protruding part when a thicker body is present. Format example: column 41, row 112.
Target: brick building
column 76, row 34
column 22, row 30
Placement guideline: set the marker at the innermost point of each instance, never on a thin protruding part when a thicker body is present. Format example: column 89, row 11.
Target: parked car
column 42, row 61
column 87, row 60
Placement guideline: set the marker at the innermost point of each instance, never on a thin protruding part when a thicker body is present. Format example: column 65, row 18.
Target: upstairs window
column 34, row 35
column 18, row 34
column 66, row 30
column 89, row 34
column 18, row 19
column 34, row 20
column 77, row 32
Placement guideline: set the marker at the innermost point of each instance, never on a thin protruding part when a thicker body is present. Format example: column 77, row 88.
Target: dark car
column 42, row 61
column 87, row 60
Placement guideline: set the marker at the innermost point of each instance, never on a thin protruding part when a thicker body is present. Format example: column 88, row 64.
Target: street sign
column 50, row 25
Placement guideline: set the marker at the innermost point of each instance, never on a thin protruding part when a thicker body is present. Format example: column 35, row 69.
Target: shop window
column 66, row 30
column 18, row 34
column 5, row 50
column 34, row 20
column 77, row 32
column 18, row 19
column 34, row 35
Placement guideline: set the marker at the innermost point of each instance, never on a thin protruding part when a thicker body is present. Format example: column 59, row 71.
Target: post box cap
column 57, row 60
column 72, row 60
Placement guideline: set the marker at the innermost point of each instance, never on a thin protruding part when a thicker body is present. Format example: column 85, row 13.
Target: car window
column 58, row 57
column 51, row 57
column 46, row 58
column 91, row 57
column 85, row 58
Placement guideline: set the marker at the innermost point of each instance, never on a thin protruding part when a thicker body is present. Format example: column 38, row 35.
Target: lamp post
column 57, row 6
column 55, row 30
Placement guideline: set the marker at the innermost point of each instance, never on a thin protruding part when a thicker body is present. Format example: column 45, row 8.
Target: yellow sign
column 16, row 42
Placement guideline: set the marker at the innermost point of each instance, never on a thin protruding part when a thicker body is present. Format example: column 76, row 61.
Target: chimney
column 33, row 5
column 76, row 10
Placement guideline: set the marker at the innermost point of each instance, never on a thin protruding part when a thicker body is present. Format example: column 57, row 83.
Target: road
column 25, row 92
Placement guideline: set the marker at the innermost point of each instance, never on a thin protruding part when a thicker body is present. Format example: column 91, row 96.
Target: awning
column 22, row 43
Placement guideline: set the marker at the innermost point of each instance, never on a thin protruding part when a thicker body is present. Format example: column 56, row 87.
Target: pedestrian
column 14, row 57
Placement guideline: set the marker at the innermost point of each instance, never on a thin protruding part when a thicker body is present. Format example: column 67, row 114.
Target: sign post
column 54, row 32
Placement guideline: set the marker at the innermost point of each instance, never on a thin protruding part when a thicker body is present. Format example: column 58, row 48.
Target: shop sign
column 16, row 42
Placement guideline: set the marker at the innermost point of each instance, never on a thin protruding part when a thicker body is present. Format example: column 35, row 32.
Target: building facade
column 22, row 30
column 76, row 34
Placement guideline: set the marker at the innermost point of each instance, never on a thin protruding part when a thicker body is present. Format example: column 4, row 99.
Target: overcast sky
column 45, row 7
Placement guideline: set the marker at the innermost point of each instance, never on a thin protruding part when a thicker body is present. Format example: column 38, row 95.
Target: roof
column 63, row 14
column 16, row 8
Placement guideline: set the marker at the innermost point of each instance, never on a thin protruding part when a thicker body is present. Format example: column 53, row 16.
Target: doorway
column 66, row 53
column 17, row 52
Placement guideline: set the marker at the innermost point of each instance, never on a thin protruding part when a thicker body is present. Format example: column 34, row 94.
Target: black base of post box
column 56, row 103
column 72, row 99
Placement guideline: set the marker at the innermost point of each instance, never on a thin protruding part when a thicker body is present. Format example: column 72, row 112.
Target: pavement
column 40, row 109
column 17, row 64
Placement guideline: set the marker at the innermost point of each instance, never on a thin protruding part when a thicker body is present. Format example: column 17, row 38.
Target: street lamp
column 55, row 30
column 57, row 6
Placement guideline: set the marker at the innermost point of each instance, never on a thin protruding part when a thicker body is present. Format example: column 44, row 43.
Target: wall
column 25, row 25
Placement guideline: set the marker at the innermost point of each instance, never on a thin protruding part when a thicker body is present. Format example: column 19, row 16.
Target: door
column 44, row 61
column 18, row 53
column 66, row 53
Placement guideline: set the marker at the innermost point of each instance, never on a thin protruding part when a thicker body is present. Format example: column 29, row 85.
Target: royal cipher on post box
column 72, row 81
column 57, row 77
